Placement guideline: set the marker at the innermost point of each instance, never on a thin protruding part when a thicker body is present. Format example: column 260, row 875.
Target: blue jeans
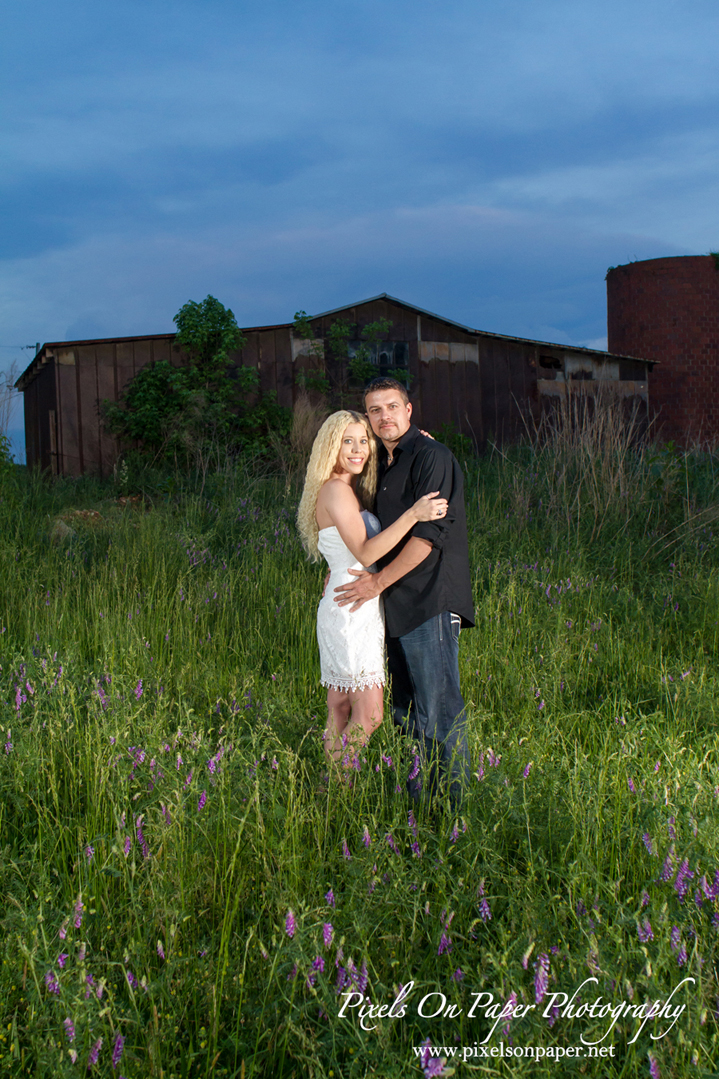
column 427, row 703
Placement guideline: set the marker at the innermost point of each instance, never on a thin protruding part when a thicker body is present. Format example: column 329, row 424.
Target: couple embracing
column 413, row 554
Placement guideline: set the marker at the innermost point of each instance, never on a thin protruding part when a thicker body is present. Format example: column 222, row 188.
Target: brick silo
column 668, row 310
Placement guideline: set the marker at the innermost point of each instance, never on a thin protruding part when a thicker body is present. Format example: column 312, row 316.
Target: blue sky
column 487, row 159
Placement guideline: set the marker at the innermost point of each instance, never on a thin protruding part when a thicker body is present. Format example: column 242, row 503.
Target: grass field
column 180, row 898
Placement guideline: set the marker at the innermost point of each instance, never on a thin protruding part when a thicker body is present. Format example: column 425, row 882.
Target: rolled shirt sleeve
column 433, row 470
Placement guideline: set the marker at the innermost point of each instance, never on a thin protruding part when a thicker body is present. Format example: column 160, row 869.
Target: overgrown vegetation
column 338, row 370
column 193, row 414
column 209, row 406
column 182, row 896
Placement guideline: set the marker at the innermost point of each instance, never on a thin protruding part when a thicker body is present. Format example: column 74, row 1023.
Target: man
column 426, row 587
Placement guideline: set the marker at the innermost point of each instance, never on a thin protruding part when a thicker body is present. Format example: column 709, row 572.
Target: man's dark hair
column 384, row 383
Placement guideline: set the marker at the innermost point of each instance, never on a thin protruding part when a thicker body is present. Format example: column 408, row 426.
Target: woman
column 334, row 520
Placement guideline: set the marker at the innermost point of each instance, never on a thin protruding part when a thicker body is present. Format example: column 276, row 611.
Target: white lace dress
column 351, row 643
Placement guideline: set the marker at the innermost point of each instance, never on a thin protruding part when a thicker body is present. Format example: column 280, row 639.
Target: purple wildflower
column 527, row 770
column 645, row 898
column 62, row 960
column 682, row 956
column 630, row 784
column 126, row 846
column 141, row 839
column 117, row 1050
column 416, row 849
column 201, row 801
column 644, row 931
column 431, row 1065
column 681, row 884
column 484, row 912
column 671, row 829
column 676, row 938
column 160, row 950
column 458, row 975
column 52, row 983
column 330, row 898
column 366, row 836
column 69, row 1029
column 89, row 852
column 510, row 1004
column 541, row 978
column 715, row 886
column 78, row 912
column 318, row 963
column 94, row 1053
column 327, row 934
column 131, row 979
column 346, row 850
column 138, row 689
column 654, row 1071
column 445, row 944
column 415, row 768
column 8, row 747
column 81, row 953
column 647, row 841
column 480, row 771
column 668, row 867
column 391, row 843
column 290, row 924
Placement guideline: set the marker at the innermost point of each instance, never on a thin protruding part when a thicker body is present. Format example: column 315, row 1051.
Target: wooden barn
column 485, row 384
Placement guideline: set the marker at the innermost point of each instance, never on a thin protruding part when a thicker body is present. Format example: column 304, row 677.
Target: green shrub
column 205, row 408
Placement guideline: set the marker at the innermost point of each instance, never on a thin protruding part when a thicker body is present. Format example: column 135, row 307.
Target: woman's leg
column 351, row 719
column 367, row 711
column 338, row 714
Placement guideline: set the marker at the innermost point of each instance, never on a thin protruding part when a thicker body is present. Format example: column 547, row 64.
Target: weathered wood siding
column 489, row 387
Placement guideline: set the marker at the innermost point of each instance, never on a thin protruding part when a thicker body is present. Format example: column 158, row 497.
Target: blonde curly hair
column 323, row 461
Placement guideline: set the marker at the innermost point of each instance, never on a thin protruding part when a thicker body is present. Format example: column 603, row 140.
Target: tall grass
column 179, row 883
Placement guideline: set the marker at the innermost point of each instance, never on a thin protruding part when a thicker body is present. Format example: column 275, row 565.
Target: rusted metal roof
column 40, row 358
column 471, row 330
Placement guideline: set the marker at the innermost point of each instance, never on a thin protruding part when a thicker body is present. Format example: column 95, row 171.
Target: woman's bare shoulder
column 336, row 490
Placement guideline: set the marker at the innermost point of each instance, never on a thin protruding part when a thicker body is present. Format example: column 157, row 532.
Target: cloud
column 487, row 161
column 507, row 272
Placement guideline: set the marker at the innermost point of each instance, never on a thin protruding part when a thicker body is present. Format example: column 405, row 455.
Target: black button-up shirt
column 442, row 581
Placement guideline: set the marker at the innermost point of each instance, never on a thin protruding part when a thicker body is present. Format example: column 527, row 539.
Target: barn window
column 386, row 355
